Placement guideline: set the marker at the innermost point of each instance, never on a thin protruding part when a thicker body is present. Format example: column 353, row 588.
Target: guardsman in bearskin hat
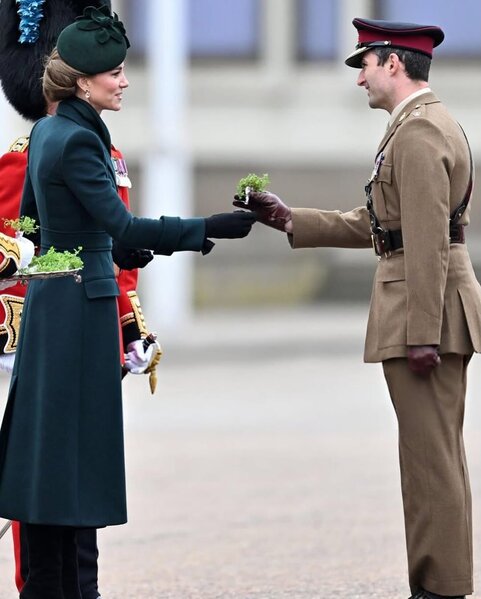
column 28, row 33
column 425, row 314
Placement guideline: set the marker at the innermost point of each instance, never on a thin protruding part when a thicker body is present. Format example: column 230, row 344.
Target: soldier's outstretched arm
column 310, row 227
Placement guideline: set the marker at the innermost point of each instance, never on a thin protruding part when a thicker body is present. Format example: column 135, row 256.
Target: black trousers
column 52, row 563
column 87, row 556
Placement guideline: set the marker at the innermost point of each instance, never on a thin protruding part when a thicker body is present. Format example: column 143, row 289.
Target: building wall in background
column 269, row 92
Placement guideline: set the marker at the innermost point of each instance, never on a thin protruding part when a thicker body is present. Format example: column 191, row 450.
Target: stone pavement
column 265, row 467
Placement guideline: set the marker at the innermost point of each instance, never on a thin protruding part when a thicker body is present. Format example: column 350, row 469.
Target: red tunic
column 131, row 317
column 12, row 176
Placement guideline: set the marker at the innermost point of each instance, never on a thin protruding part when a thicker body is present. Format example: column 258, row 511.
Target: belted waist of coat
column 386, row 241
column 93, row 241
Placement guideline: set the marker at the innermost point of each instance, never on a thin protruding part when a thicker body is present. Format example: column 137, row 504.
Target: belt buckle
column 378, row 250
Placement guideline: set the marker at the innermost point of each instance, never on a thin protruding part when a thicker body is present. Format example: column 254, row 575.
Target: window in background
column 317, row 29
column 460, row 22
column 224, row 28
column 217, row 29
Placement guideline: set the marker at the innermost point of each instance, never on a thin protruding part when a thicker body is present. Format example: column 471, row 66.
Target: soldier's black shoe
column 428, row 595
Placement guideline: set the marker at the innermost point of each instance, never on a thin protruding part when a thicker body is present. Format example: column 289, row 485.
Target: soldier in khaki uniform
column 425, row 314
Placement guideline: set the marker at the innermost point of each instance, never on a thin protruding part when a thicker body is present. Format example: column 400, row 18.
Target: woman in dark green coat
column 61, row 442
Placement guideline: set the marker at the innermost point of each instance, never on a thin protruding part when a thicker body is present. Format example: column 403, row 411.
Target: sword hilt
column 151, row 338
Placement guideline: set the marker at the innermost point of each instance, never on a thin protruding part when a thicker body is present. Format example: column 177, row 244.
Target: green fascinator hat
column 95, row 42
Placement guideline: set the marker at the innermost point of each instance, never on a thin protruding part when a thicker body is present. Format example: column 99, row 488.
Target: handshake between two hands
column 261, row 206
column 269, row 208
column 257, row 205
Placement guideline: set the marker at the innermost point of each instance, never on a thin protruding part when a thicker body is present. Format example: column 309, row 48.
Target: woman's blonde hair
column 59, row 80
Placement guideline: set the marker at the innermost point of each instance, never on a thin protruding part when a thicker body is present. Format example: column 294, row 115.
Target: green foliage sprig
column 255, row 182
column 53, row 261
column 24, row 224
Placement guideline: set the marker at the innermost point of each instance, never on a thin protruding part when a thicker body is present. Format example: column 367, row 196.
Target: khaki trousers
column 434, row 475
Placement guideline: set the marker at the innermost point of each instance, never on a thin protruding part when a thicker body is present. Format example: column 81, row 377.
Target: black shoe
column 428, row 595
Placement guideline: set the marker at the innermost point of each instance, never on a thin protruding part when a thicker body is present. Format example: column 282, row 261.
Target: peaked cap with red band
column 389, row 34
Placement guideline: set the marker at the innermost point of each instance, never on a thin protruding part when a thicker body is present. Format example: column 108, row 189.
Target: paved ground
column 264, row 468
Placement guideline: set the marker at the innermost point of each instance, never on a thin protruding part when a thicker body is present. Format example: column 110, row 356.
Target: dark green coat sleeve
column 84, row 172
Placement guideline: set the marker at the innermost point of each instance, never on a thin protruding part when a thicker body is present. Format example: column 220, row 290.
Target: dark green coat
column 61, row 441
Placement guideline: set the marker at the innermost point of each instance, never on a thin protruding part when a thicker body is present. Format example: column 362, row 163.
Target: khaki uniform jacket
column 425, row 293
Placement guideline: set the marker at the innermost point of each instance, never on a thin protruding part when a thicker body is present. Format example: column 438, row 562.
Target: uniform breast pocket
column 385, row 174
column 98, row 288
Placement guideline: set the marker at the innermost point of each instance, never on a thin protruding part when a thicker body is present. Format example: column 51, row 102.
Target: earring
column 87, row 94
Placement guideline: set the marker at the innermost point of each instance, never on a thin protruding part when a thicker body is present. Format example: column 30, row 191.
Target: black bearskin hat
column 22, row 64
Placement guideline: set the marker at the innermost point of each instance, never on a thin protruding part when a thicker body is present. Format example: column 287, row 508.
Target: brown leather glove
column 270, row 209
column 422, row 359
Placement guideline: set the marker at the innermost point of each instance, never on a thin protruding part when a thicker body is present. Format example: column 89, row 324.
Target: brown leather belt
column 386, row 242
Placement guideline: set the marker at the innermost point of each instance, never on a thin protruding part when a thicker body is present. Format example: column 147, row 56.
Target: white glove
column 27, row 250
column 137, row 360
column 6, row 362
column 6, row 285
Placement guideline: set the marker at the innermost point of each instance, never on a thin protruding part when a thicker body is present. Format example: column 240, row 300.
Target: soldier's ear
column 394, row 63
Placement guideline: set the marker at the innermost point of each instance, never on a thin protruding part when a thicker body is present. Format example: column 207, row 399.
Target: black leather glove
column 422, row 359
column 130, row 258
column 229, row 225
column 270, row 209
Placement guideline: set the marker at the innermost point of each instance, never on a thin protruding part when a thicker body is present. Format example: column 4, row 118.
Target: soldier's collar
column 398, row 109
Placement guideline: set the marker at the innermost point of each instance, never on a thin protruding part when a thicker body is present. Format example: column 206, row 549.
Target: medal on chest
column 377, row 166
column 121, row 173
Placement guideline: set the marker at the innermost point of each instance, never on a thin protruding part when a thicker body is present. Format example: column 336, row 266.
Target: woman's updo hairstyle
column 59, row 79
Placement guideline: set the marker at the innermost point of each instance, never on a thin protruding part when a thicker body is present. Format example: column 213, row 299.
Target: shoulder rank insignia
column 121, row 172
column 19, row 145
column 418, row 110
